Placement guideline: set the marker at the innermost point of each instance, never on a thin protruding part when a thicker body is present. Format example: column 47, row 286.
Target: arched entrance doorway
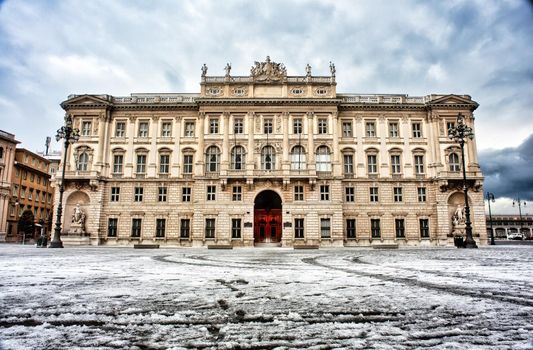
column 267, row 217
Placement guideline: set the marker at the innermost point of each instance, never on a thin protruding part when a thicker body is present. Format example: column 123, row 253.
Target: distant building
column 30, row 190
column 267, row 158
column 504, row 224
column 8, row 145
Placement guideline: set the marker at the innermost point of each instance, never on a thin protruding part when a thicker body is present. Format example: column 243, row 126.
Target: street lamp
column 459, row 133
column 70, row 135
column 490, row 197
column 520, row 203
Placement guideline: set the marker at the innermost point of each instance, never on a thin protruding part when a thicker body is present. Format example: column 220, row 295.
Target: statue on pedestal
column 77, row 225
column 458, row 220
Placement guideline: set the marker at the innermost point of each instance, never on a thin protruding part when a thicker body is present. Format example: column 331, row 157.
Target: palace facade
column 269, row 158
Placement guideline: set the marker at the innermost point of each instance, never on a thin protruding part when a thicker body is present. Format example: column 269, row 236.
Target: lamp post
column 520, row 203
column 459, row 133
column 490, row 197
column 70, row 135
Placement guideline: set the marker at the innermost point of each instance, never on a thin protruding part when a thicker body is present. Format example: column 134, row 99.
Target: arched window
column 453, row 161
column 298, row 158
column 323, row 159
column 83, row 161
column 268, row 158
column 237, row 158
column 212, row 159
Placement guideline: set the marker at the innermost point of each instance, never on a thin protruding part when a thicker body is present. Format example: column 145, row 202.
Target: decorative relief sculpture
column 268, row 70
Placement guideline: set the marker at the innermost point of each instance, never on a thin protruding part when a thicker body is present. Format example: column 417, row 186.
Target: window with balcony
column 136, row 227
column 323, row 159
column 453, row 162
column 298, row 161
column 212, row 161
column 237, row 158
column 268, row 158
column 350, row 229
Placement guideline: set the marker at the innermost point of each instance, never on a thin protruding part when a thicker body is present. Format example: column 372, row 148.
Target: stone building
column 268, row 158
column 8, row 144
column 502, row 225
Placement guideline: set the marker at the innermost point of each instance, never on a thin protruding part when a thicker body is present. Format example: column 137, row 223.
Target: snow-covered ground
column 266, row 298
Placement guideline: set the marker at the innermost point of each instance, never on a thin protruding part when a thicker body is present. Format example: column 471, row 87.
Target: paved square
column 121, row 298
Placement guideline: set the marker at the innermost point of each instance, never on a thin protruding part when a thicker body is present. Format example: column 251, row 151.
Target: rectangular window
column 421, row 194
column 372, row 163
column 395, row 164
column 213, row 126
column 136, row 225
column 370, row 129
column 162, row 194
column 237, row 193
column 166, row 129
column 350, row 194
column 267, row 126
column 297, row 126
column 419, row 164
column 209, row 228
column 424, row 228
column 235, row 228
column 86, row 128
column 347, row 129
column 112, row 225
column 449, row 125
column 141, row 164
column 417, row 130
column 298, row 193
column 374, row 194
column 238, row 126
column 399, row 224
column 350, row 228
column 189, row 129
column 160, row 227
column 393, row 129
column 322, row 126
column 164, row 163
column 185, row 228
column 138, row 194
column 211, row 193
column 324, row 192
column 115, row 194
column 398, row 194
column 325, row 228
column 120, row 129
column 374, row 228
column 299, row 228
column 187, row 163
column 143, row 129
column 186, row 194
column 348, row 164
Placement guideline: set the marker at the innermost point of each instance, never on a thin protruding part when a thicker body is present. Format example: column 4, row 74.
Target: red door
column 267, row 225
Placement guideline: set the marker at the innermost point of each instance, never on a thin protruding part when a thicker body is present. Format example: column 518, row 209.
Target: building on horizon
column 268, row 158
column 507, row 224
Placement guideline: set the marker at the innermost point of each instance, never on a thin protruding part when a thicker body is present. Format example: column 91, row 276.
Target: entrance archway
column 267, row 217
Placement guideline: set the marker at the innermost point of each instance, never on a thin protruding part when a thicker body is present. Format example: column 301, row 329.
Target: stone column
column 199, row 171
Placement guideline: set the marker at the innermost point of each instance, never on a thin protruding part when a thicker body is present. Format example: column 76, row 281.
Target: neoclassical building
column 270, row 159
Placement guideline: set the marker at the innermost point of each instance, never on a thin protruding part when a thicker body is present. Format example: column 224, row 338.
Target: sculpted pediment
column 268, row 71
column 88, row 100
column 453, row 99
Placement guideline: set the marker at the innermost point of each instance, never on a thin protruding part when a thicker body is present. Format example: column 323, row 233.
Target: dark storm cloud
column 509, row 171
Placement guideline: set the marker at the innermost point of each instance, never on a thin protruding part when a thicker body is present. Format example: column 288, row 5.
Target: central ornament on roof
column 268, row 71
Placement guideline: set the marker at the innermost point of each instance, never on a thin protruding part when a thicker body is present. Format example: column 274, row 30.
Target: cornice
column 269, row 101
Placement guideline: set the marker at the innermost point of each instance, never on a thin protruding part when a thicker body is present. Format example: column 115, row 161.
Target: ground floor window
column 299, row 228
column 375, row 229
column 350, row 228
column 325, row 228
column 209, row 228
column 235, row 228
column 112, row 225
column 424, row 228
column 136, row 227
column 400, row 228
column 160, row 227
column 185, row 228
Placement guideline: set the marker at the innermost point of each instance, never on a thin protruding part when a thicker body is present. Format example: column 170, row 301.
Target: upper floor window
column 164, row 163
column 211, row 193
column 347, row 129
column 237, row 158
column 86, row 128
column 189, row 129
column 322, row 126
column 323, row 159
column 453, row 161
column 372, row 160
column 141, row 164
column 162, row 194
column 421, row 194
column 166, row 129
column 138, row 194
column 370, row 129
column 398, row 196
column 213, row 126
column 349, row 194
column 187, row 163
column 120, row 129
column 115, row 194
column 374, row 195
column 395, row 164
column 417, row 130
column 419, row 164
column 238, row 126
column 298, row 193
column 267, row 126
column 348, row 163
column 297, row 126
column 143, row 129
column 186, row 194
column 236, row 193
column 212, row 159
column 449, row 125
column 324, row 192
column 268, row 158
column 393, row 129
column 83, row 161
column 298, row 158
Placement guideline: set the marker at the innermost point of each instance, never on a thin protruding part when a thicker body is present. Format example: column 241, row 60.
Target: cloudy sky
column 50, row 49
